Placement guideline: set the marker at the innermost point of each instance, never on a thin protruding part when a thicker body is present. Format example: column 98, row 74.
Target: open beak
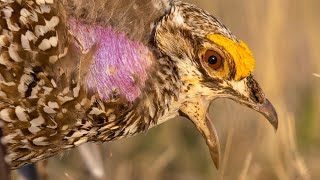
column 247, row 93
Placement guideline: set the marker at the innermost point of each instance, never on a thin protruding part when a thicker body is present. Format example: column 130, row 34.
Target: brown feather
column 135, row 18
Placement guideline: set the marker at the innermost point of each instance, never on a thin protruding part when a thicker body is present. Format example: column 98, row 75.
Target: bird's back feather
column 135, row 18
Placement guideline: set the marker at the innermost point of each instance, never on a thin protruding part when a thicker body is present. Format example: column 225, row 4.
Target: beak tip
column 273, row 119
column 275, row 127
column 217, row 165
column 216, row 159
column 270, row 113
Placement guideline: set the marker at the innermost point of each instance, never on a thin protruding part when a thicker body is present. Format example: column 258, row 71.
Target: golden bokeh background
column 284, row 36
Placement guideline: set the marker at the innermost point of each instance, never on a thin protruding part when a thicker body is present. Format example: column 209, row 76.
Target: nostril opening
column 258, row 96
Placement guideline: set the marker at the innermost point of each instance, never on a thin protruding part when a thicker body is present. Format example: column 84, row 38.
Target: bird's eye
column 213, row 59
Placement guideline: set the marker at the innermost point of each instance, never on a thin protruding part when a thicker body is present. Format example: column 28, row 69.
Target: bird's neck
column 157, row 103
column 125, row 89
column 132, row 89
column 129, row 89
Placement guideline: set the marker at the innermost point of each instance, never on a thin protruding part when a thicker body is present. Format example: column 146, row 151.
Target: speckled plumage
column 75, row 71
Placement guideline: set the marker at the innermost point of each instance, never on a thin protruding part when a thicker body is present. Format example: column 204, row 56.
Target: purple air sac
column 119, row 64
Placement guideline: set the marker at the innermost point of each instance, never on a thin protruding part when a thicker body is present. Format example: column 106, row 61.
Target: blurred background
column 284, row 36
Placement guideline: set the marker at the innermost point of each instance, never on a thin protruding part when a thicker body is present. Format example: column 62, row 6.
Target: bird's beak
column 246, row 92
column 249, row 93
column 196, row 111
column 268, row 111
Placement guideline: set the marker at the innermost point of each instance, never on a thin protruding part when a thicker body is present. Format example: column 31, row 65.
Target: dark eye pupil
column 212, row 60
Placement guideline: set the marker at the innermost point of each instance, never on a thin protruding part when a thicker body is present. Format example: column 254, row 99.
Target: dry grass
column 284, row 36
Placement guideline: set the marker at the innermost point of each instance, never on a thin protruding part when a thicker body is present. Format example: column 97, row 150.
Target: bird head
column 212, row 63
